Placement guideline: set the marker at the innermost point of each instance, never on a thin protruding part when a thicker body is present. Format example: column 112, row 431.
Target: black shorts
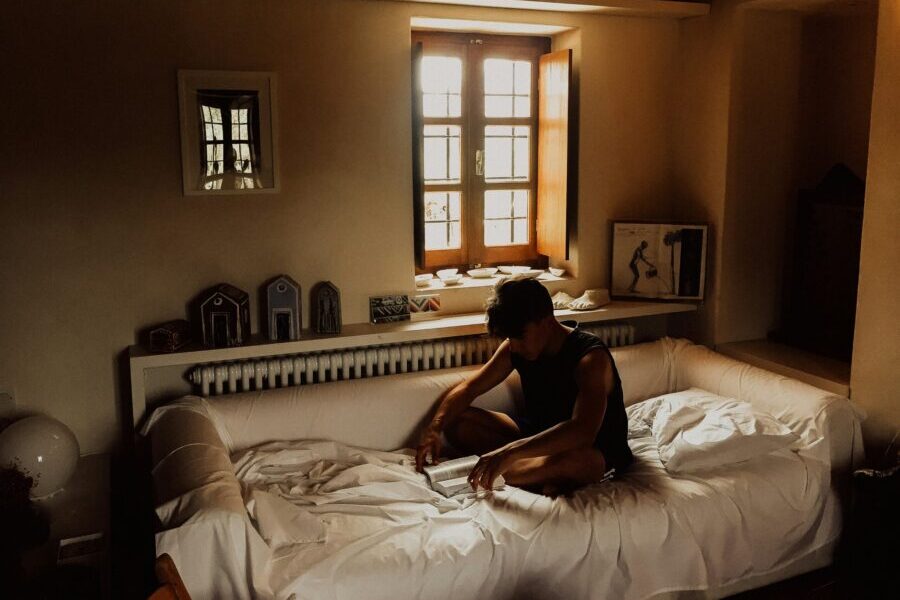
column 616, row 457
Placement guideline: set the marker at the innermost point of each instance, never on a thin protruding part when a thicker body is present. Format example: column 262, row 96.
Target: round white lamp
column 42, row 448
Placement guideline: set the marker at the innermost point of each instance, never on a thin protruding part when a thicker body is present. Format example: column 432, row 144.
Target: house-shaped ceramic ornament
column 325, row 308
column 283, row 309
column 225, row 316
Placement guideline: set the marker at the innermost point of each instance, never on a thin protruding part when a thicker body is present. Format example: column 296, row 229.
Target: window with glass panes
column 479, row 147
column 229, row 133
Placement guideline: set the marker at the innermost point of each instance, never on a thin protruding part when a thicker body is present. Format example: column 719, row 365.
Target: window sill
column 436, row 285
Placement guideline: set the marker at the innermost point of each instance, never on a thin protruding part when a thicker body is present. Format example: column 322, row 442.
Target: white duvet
column 348, row 523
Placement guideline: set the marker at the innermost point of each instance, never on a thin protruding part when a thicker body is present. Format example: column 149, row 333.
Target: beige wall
column 838, row 60
column 770, row 98
column 875, row 374
column 760, row 186
column 700, row 140
column 97, row 241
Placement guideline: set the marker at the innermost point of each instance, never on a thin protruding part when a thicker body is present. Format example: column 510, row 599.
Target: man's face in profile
column 531, row 343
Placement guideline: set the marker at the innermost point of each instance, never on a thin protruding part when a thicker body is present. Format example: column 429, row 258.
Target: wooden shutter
column 555, row 190
column 418, row 158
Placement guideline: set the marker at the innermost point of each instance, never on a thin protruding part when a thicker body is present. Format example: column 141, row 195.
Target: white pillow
column 696, row 429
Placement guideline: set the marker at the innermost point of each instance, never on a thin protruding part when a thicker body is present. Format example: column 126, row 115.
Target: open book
column 452, row 477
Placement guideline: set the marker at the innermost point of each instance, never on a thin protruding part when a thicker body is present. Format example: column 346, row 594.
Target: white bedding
column 347, row 523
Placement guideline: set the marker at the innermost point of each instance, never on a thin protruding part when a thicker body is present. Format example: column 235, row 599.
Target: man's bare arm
column 595, row 381
column 454, row 402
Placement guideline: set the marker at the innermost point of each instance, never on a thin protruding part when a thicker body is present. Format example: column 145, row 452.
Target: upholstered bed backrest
column 646, row 369
column 828, row 424
column 386, row 413
column 383, row 413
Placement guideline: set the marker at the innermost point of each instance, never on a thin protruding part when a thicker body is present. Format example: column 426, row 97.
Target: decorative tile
column 425, row 303
column 387, row 309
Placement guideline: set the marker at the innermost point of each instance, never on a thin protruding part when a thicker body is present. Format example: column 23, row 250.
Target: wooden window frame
column 473, row 49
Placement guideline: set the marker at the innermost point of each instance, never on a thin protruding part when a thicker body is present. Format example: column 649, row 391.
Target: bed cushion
column 697, row 430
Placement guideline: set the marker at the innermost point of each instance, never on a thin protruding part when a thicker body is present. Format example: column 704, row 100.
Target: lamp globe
column 42, row 448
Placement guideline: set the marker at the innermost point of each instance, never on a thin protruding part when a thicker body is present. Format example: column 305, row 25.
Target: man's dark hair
column 514, row 304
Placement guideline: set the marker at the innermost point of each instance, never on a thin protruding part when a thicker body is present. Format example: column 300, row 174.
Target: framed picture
column 659, row 260
column 228, row 132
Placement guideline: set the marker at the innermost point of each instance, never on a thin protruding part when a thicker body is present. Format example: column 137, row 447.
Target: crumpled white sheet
column 348, row 523
column 697, row 430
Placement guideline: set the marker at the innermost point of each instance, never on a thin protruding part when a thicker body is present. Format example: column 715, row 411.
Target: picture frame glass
column 227, row 140
column 659, row 260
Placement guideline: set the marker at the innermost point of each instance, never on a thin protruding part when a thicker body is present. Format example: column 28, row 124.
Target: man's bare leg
column 558, row 473
column 478, row 431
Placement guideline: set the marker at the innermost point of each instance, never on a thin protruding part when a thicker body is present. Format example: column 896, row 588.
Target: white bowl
column 444, row 273
column 513, row 269
column 531, row 273
column 452, row 280
column 557, row 272
column 424, row 280
column 483, row 273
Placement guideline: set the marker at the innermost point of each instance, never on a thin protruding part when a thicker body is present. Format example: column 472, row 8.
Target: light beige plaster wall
column 97, row 241
column 700, row 131
column 744, row 124
column 875, row 372
column 761, row 180
column 838, row 59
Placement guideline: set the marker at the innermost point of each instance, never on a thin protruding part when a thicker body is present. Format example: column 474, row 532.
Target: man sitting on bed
column 572, row 428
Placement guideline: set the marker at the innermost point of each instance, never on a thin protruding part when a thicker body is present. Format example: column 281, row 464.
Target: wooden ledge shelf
column 368, row 334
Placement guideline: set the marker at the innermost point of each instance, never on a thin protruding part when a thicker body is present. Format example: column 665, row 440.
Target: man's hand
column 489, row 467
column 429, row 443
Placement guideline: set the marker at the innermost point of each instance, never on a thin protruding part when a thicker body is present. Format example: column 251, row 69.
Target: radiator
column 368, row 361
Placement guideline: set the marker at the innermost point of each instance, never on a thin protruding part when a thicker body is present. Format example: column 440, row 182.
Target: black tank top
column 550, row 390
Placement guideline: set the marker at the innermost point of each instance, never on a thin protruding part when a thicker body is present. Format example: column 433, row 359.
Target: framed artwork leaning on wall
column 228, row 132
column 659, row 260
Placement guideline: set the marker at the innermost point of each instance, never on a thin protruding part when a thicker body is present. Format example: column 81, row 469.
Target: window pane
column 522, row 158
column 497, row 158
column 520, row 231
column 498, row 204
column 507, row 88
column 454, row 198
column 520, row 203
column 441, row 236
column 434, row 105
column 235, row 132
column 441, row 86
column 455, row 107
column 205, row 110
column 498, row 106
column 244, row 134
column 505, row 217
column 454, row 241
column 498, row 76
column 442, row 225
column 523, row 106
column 442, row 154
column 209, row 135
column 497, row 233
column 506, row 153
column 523, row 78
column 435, row 207
column 217, row 131
column 216, row 114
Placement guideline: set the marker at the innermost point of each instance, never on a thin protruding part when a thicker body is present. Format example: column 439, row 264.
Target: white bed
column 246, row 516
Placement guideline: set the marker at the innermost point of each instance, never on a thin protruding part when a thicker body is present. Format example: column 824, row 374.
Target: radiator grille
column 368, row 361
